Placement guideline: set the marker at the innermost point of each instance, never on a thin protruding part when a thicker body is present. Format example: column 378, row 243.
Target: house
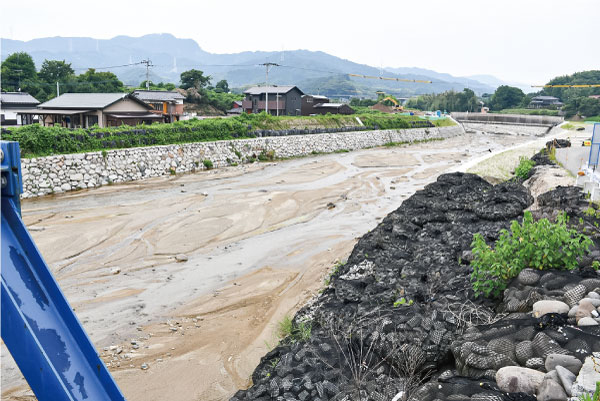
column 169, row 104
column 543, row 102
column 82, row 110
column 283, row 100
column 333, row 108
column 236, row 109
column 309, row 101
column 11, row 106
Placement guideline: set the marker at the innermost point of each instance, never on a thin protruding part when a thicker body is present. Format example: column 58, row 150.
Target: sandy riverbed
column 259, row 240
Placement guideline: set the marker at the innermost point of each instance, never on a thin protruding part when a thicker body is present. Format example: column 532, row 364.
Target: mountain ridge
column 171, row 56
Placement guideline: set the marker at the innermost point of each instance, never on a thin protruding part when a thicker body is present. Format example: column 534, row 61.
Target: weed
column 399, row 302
column 208, row 164
column 104, row 154
column 266, row 155
column 524, row 167
column 591, row 397
column 288, row 330
column 539, row 245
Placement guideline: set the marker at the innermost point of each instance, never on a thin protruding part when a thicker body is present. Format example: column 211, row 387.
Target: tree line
column 19, row 73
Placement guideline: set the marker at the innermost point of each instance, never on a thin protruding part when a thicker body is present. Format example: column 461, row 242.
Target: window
column 91, row 120
column 309, row 99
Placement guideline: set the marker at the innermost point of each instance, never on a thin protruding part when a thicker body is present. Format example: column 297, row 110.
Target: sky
column 526, row 41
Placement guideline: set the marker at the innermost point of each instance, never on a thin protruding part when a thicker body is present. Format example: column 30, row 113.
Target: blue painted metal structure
column 595, row 148
column 39, row 327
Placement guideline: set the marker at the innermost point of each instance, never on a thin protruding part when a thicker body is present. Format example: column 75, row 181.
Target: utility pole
column 57, row 90
column 148, row 63
column 267, row 66
column 19, row 71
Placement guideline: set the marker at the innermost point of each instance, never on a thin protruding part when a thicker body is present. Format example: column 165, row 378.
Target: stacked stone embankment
column 60, row 173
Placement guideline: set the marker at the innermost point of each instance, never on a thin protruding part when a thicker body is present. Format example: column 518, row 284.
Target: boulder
column 566, row 378
column 540, row 308
column 550, row 390
column 588, row 376
column 513, row 379
column 584, row 309
column 587, row 321
column 566, row 361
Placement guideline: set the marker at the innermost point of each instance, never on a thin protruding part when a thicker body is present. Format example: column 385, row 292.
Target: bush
column 539, row 245
column 208, row 164
column 524, row 167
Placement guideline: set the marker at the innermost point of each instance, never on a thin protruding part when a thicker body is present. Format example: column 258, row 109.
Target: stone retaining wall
column 60, row 173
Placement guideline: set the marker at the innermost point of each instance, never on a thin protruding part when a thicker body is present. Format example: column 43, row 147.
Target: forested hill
column 313, row 72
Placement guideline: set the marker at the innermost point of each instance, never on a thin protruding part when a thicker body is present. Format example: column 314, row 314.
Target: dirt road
column 258, row 240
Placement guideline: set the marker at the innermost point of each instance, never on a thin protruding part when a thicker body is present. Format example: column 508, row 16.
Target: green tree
column 222, row 86
column 507, row 97
column 18, row 73
column 194, row 79
column 98, row 82
column 54, row 71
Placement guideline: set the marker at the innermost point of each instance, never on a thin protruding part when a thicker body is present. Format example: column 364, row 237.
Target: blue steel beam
column 39, row 327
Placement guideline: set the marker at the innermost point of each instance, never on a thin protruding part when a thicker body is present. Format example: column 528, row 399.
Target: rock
column 593, row 295
column 514, row 379
column 587, row 321
column 573, row 311
column 116, row 270
column 565, row 361
column 65, row 187
column 584, row 309
column 76, row 177
column 593, row 301
column 550, row 390
column 181, row 257
column 540, row 308
column 566, row 378
column 588, row 376
column 144, row 366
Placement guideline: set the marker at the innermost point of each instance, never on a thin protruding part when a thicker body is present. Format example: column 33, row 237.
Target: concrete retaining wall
column 56, row 174
column 506, row 129
column 514, row 119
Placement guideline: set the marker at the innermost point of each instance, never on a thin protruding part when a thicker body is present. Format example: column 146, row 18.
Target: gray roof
column 545, row 98
column 18, row 98
column 86, row 100
column 257, row 90
column 330, row 105
column 318, row 97
column 163, row 96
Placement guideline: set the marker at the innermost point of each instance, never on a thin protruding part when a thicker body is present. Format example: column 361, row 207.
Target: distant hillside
column 311, row 71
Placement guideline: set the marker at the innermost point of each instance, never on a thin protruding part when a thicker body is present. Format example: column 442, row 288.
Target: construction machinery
column 39, row 328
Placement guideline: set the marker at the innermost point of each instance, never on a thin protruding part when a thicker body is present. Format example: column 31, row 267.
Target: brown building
column 309, row 102
column 82, row 110
column 333, row 108
column 166, row 103
column 283, row 100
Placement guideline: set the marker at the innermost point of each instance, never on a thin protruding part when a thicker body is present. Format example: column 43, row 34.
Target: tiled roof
column 17, row 98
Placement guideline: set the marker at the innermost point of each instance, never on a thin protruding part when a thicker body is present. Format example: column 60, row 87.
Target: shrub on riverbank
column 539, row 245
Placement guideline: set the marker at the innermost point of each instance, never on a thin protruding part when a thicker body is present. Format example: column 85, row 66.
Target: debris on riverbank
column 400, row 320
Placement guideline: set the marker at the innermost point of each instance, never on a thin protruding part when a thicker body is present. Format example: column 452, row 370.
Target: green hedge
column 36, row 140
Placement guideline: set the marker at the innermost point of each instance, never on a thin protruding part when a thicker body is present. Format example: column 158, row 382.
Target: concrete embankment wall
column 507, row 129
column 513, row 119
column 60, row 173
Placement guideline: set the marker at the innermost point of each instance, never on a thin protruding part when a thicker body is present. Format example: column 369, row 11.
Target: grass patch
column 288, row 330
